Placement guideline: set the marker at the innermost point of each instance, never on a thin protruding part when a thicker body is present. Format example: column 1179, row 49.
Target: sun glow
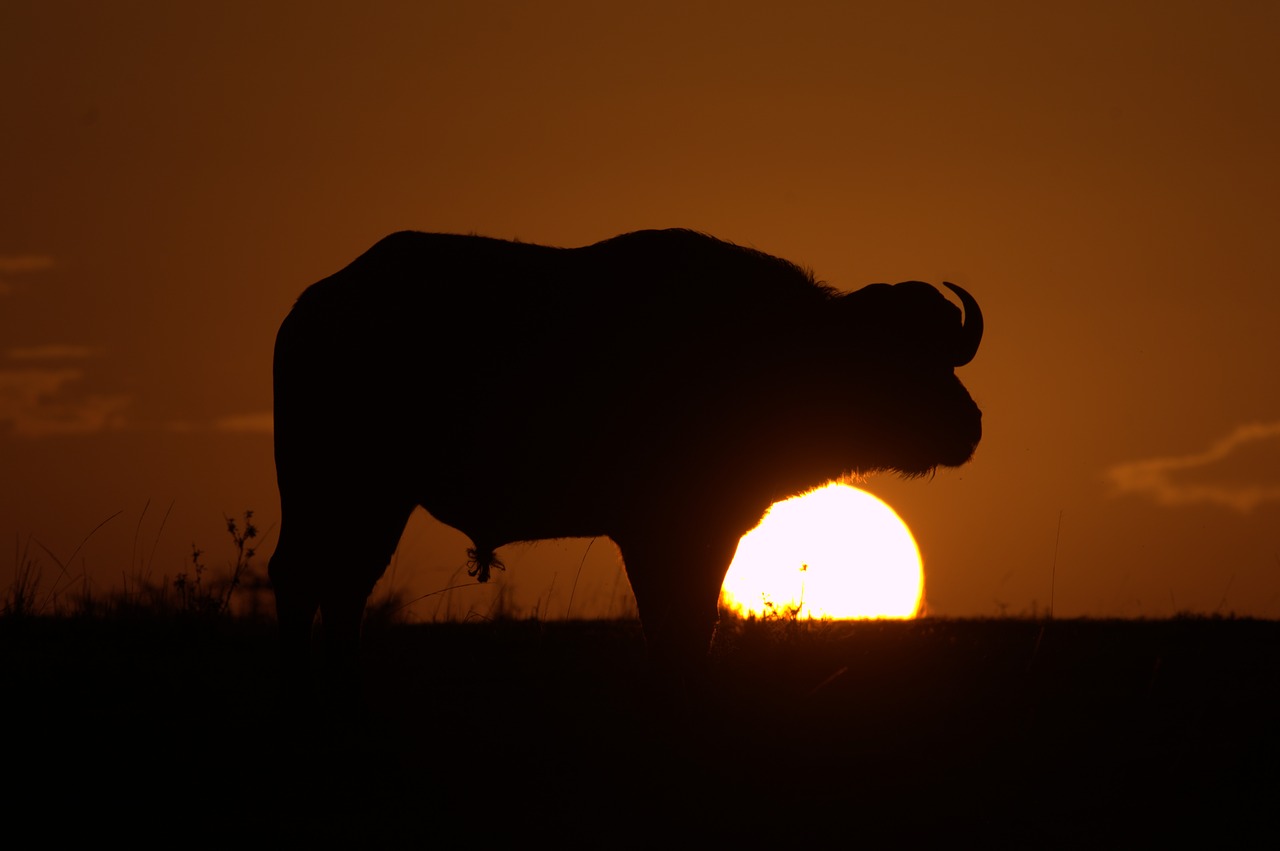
column 834, row 552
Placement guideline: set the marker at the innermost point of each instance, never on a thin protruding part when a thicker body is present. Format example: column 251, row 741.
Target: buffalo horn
column 971, row 330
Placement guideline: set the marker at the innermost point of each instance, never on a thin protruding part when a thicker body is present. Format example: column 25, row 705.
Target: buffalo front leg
column 676, row 582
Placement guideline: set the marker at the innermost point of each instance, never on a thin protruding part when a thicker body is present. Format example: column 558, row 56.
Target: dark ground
column 990, row 733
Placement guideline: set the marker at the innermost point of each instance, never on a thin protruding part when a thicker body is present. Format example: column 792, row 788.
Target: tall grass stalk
column 194, row 592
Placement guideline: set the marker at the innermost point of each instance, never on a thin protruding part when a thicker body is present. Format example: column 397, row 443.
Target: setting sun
column 834, row 552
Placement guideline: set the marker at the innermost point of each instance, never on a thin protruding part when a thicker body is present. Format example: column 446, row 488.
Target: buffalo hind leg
column 297, row 601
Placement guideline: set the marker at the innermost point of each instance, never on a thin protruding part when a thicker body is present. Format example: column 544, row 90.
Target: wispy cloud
column 11, row 263
column 1240, row 471
column 260, row 422
column 47, row 389
column 44, row 400
column 52, row 352
column 14, row 265
column 256, row 423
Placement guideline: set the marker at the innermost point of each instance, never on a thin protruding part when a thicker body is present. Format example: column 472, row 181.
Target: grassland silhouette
column 163, row 724
column 154, row 714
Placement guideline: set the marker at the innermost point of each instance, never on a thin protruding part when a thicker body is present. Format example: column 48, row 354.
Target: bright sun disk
column 834, row 552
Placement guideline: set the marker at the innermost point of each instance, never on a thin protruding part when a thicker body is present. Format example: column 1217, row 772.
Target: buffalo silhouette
column 661, row 388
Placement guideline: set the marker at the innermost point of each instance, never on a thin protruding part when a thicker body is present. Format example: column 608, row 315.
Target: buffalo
column 662, row 388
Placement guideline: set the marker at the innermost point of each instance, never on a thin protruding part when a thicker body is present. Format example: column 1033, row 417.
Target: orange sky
column 1103, row 177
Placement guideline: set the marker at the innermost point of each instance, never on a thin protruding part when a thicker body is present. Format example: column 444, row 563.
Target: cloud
column 256, row 423
column 38, row 401
column 21, row 264
column 43, row 391
column 1240, row 471
column 261, row 422
column 12, row 263
column 53, row 351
